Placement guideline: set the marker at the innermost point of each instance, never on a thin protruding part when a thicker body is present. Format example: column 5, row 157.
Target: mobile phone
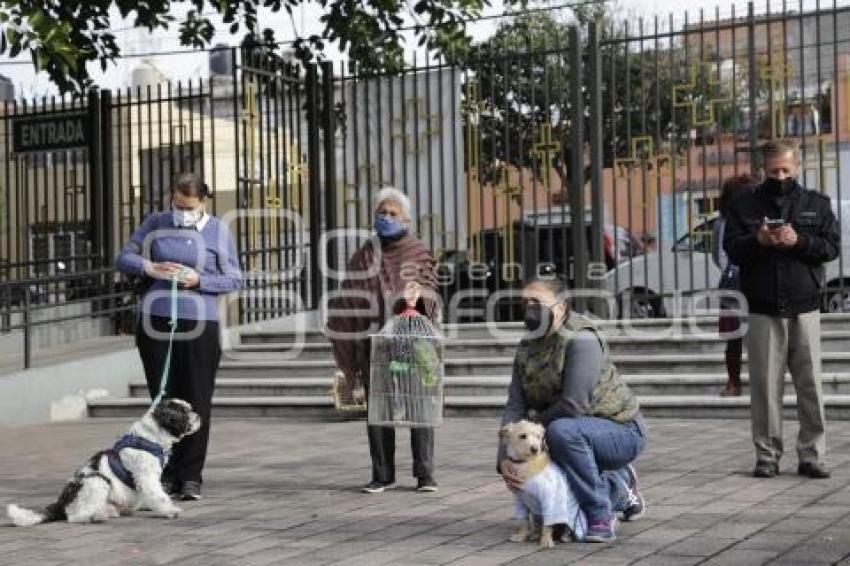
column 182, row 273
column 774, row 223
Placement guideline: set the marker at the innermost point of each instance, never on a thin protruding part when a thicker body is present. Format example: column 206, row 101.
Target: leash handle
column 166, row 369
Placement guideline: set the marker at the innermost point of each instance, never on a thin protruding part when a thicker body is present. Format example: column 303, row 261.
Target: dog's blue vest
column 138, row 443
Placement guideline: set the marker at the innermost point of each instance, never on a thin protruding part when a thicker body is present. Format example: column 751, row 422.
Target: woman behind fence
column 730, row 322
column 188, row 244
column 401, row 271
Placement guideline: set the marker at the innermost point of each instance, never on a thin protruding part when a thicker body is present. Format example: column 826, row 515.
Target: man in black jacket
column 781, row 235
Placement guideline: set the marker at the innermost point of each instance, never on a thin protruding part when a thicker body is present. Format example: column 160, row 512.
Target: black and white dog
column 126, row 477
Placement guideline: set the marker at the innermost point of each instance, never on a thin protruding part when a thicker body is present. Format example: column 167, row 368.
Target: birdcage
column 406, row 373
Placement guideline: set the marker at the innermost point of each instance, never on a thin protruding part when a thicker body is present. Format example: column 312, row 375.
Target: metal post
column 26, row 317
column 751, row 58
column 314, row 185
column 577, row 169
column 329, row 128
column 95, row 176
column 596, row 197
column 107, row 213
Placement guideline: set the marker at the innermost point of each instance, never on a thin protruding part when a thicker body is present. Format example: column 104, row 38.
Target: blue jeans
column 594, row 452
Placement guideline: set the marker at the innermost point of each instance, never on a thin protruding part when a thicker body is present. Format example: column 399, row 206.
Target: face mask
column 779, row 186
column 538, row 318
column 388, row 228
column 186, row 218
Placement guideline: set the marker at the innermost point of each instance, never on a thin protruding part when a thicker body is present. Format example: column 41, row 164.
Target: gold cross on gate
column 820, row 164
column 350, row 197
column 544, row 150
column 431, row 222
column 776, row 74
column 274, row 202
column 511, row 193
column 414, row 109
column 371, row 176
column 252, row 201
column 250, row 117
column 623, row 165
column 297, row 175
column 471, row 108
column 688, row 89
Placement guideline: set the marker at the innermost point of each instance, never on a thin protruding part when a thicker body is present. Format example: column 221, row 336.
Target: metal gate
column 598, row 153
column 282, row 110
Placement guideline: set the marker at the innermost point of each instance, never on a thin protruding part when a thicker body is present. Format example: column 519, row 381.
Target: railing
column 27, row 304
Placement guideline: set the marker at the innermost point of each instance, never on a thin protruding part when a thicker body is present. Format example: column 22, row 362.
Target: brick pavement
column 284, row 493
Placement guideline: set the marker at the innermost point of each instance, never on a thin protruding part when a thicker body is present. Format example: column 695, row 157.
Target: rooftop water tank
column 221, row 60
column 7, row 89
column 147, row 74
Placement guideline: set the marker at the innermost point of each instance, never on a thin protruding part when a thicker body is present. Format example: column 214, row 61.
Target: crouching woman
column 563, row 377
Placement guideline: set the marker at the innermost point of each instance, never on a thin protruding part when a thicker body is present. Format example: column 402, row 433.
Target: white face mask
column 186, row 218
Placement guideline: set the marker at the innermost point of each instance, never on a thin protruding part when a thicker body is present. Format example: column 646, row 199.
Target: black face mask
column 538, row 318
column 779, row 187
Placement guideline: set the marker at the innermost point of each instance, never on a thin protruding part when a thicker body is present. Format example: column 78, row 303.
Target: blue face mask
column 388, row 228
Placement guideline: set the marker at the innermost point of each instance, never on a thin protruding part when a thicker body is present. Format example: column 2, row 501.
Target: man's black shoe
column 813, row 470
column 766, row 470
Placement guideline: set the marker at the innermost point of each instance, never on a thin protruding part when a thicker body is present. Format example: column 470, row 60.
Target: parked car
column 658, row 284
column 542, row 244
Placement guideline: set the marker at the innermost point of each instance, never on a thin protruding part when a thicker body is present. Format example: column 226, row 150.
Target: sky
column 135, row 43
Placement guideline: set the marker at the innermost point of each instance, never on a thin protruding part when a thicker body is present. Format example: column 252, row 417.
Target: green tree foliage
column 63, row 36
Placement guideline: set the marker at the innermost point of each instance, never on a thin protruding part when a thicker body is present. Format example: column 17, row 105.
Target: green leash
column 163, row 382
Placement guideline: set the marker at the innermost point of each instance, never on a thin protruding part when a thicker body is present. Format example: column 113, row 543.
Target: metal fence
column 598, row 153
column 595, row 152
column 685, row 105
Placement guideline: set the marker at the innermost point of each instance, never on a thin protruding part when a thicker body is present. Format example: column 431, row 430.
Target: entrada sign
column 50, row 133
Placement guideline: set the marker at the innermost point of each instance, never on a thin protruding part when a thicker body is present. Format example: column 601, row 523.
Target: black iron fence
column 596, row 152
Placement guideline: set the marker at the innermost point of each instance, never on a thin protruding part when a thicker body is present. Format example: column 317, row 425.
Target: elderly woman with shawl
column 389, row 271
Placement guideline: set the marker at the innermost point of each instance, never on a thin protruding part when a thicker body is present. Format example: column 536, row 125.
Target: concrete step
column 663, row 327
column 832, row 362
column 484, row 386
column 327, row 368
column 321, row 408
column 831, row 341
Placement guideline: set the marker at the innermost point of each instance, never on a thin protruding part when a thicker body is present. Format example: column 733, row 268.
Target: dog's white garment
column 548, row 495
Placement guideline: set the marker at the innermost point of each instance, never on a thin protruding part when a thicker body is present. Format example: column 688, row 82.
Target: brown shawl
column 401, row 261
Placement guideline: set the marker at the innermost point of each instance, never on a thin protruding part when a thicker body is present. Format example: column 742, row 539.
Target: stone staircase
column 676, row 366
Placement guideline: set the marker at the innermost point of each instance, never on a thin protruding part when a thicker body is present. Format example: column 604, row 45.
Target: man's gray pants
column 772, row 344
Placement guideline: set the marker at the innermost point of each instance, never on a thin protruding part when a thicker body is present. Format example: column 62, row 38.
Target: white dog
column 546, row 500
column 126, row 477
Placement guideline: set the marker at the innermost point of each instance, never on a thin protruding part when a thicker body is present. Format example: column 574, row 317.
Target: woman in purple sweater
column 188, row 244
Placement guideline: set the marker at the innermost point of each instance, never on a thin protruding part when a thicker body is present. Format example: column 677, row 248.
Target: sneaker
column 813, row 470
column 637, row 505
column 766, row 469
column 376, row 486
column 190, row 491
column 426, row 485
column 603, row 530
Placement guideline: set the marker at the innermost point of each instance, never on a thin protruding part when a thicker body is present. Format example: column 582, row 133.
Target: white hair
column 392, row 193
